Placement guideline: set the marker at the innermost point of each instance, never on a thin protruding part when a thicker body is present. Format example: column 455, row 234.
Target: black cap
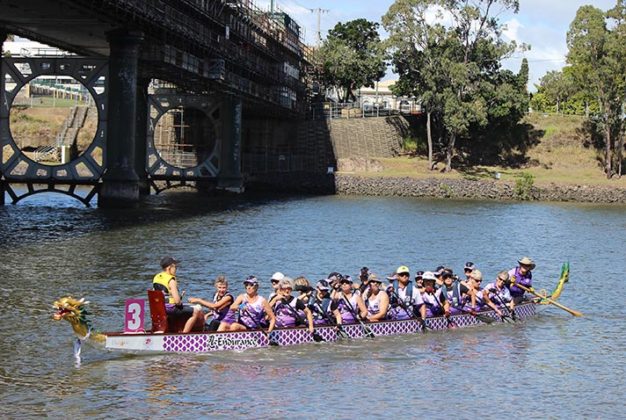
column 334, row 274
column 419, row 275
column 167, row 261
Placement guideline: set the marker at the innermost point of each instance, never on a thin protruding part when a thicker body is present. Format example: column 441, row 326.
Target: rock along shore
column 472, row 189
column 350, row 184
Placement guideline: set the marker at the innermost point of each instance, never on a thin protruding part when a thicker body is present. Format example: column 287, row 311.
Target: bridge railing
column 333, row 110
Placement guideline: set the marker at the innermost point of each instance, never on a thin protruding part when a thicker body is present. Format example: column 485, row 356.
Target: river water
column 552, row 366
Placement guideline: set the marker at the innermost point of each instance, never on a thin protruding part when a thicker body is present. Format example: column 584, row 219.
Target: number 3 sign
column 133, row 315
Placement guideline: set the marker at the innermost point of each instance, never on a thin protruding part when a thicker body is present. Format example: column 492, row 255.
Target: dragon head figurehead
column 74, row 311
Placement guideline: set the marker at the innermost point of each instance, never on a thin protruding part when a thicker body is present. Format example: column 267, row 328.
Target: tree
column 558, row 92
column 450, row 65
column 352, row 56
column 557, row 86
column 617, row 45
column 596, row 55
column 417, row 58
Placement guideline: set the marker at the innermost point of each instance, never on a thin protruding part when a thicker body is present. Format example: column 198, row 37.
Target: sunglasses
column 250, row 284
column 275, row 281
column 476, row 280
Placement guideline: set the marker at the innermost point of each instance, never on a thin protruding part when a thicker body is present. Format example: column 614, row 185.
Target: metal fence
column 332, row 110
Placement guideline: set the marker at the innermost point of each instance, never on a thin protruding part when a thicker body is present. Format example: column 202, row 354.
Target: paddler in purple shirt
column 287, row 307
column 252, row 307
column 348, row 304
column 522, row 275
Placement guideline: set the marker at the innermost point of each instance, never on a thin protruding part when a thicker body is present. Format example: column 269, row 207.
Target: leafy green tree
column 558, row 87
column 617, row 46
column 453, row 67
column 596, row 55
column 418, row 58
column 352, row 56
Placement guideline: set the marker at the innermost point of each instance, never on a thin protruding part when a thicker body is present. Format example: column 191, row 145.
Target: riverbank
column 440, row 186
column 560, row 165
column 475, row 189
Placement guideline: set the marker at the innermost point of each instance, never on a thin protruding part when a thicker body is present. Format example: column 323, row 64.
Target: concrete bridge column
column 121, row 183
column 4, row 119
column 141, row 148
column 229, row 177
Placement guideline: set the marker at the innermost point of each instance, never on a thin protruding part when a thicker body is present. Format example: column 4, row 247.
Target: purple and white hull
column 218, row 341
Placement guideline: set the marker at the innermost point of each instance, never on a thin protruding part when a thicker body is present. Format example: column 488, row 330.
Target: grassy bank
column 559, row 157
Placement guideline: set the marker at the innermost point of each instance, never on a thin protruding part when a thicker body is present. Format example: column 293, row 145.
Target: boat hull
column 218, row 341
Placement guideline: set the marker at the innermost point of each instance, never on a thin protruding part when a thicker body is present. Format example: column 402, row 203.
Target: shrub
column 524, row 186
column 409, row 145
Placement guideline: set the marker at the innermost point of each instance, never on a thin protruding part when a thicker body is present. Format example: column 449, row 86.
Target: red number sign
column 134, row 312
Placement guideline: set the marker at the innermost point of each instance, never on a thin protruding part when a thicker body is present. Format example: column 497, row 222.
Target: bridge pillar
column 120, row 182
column 3, row 37
column 141, row 147
column 229, row 177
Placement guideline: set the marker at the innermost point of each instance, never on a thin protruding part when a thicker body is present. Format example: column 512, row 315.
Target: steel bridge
column 227, row 59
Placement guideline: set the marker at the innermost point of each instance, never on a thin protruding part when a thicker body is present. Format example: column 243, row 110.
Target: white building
column 381, row 97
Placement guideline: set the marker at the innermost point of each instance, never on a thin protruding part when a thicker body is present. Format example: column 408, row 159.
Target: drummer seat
column 161, row 321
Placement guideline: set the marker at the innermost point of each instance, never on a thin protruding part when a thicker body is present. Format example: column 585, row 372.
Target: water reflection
column 108, row 256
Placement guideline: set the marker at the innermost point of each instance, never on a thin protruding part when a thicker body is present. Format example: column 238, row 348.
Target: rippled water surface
column 552, row 366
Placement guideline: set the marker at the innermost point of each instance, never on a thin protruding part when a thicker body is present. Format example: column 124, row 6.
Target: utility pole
column 319, row 21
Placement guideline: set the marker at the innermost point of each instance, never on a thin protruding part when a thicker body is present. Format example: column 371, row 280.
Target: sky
column 542, row 24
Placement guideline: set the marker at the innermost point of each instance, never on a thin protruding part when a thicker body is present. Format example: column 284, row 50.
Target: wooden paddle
column 331, row 321
column 265, row 333
column 547, row 299
column 406, row 310
column 316, row 337
column 366, row 330
column 481, row 317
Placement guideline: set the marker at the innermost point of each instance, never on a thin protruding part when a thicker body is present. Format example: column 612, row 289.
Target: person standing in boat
column 376, row 300
column 166, row 282
column 405, row 299
column 287, row 308
column 319, row 303
column 497, row 296
column 434, row 303
column 252, row 307
column 348, row 303
column 522, row 274
column 274, row 280
column 219, row 308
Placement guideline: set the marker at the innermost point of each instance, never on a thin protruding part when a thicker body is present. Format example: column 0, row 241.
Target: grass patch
column 560, row 157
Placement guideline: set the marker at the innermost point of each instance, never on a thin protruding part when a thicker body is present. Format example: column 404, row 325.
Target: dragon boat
column 75, row 312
